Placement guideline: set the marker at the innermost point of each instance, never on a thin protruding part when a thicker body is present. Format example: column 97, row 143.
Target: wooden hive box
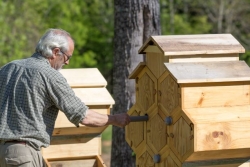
column 72, row 146
column 195, row 92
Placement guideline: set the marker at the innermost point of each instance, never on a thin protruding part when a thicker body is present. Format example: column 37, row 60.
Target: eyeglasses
column 68, row 57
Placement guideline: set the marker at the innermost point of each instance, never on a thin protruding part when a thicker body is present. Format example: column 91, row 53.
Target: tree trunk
column 135, row 21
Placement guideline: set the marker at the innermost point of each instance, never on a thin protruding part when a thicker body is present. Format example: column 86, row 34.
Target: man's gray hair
column 53, row 38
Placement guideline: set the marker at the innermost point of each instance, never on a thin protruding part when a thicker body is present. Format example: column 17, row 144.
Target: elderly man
column 32, row 91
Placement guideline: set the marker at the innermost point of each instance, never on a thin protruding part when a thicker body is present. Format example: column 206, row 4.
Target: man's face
column 61, row 58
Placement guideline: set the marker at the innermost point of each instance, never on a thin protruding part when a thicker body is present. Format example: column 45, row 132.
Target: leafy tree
column 90, row 23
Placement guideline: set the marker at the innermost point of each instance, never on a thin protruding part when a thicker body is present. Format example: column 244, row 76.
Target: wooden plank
column 219, row 155
column 153, row 48
column 73, row 146
column 100, row 162
column 64, row 127
column 218, row 114
column 75, row 163
column 81, row 130
column 234, row 162
column 154, row 62
column 94, row 96
column 63, row 122
column 195, row 44
column 84, row 77
column 204, row 58
column 215, row 96
column 246, row 164
column 137, row 70
column 200, row 72
column 87, row 161
column 222, row 136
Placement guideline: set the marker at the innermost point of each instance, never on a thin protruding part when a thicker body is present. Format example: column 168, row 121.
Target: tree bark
column 135, row 21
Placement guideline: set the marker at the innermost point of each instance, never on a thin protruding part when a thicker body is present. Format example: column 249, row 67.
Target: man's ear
column 55, row 51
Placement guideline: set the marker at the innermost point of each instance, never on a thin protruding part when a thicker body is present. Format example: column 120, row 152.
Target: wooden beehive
column 196, row 93
column 72, row 146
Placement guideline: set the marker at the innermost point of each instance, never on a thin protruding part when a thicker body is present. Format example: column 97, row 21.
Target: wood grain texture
column 75, row 163
column 214, row 155
column 154, row 62
column 156, row 133
column 218, row 114
column 195, row 44
column 215, row 96
column 232, row 162
column 137, row 70
column 204, row 58
column 135, row 132
column 145, row 160
column 75, row 146
column 146, row 90
column 169, row 162
column 153, row 49
column 84, row 77
column 199, row 72
column 86, row 161
column 168, row 93
column 222, row 136
column 181, row 139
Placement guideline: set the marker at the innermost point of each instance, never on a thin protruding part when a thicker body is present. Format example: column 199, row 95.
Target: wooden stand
column 72, row 146
column 195, row 92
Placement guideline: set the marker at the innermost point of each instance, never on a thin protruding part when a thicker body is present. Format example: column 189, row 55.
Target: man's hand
column 121, row 120
column 94, row 119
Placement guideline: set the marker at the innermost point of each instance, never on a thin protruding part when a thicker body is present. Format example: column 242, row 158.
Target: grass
column 107, row 134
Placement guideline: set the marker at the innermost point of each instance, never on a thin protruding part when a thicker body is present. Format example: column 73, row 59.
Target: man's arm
column 95, row 119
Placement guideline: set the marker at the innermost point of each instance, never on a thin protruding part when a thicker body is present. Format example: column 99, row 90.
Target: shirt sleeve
column 65, row 100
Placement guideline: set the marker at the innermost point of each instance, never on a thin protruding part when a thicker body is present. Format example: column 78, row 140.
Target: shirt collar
column 40, row 57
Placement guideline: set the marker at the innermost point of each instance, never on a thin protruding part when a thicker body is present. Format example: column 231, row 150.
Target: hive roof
column 172, row 45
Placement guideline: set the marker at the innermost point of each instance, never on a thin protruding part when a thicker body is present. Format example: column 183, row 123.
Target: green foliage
column 90, row 22
column 191, row 26
column 107, row 133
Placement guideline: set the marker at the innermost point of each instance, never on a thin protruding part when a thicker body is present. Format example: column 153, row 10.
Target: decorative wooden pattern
column 169, row 162
column 205, row 90
column 168, row 93
column 135, row 130
column 181, row 138
column 156, row 133
column 145, row 160
column 146, row 90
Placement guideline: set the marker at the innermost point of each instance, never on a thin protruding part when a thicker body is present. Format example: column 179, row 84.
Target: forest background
column 91, row 24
